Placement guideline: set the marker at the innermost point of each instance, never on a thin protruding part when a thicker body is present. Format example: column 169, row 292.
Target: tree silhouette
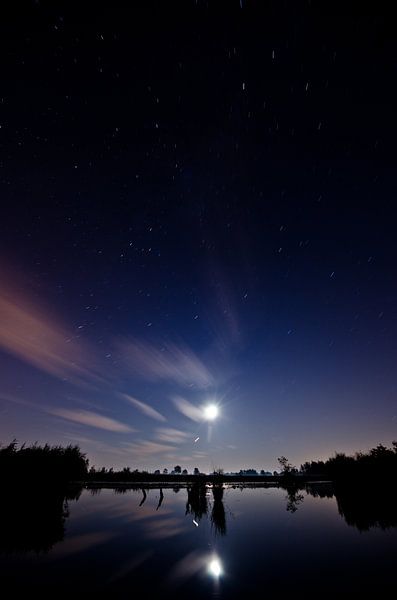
column 286, row 467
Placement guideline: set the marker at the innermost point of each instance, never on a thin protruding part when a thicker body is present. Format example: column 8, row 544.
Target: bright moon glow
column 211, row 412
column 215, row 567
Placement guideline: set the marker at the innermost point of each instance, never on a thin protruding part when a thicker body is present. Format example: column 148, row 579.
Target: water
column 200, row 543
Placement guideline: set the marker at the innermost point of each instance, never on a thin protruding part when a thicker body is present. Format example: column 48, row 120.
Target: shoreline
column 186, row 480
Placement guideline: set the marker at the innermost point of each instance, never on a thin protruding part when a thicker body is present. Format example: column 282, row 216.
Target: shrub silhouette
column 42, row 464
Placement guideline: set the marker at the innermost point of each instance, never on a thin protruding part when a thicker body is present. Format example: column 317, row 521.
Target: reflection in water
column 215, row 567
column 362, row 505
column 119, row 490
column 33, row 522
column 218, row 515
column 116, row 544
column 293, row 498
column 144, row 496
column 197, row 503
column 36, row 522
column 75, row 544
column 163, row 527
column 321, row 489
column 187, row 567
column 161, row 498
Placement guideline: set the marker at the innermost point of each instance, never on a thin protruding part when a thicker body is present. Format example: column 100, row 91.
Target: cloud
column 144, row 408
column 144, row 448
column 30, row 334
column 167, row 362
column 174, row 436
column 92, row 419
column 189, row 410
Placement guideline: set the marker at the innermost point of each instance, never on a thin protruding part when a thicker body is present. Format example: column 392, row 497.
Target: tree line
column 378, row 463
column 58, row 464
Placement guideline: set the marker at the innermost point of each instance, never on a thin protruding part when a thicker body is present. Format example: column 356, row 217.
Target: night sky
column 198, row 206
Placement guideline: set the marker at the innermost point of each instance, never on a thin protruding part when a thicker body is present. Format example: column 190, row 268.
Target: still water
column 202, row 542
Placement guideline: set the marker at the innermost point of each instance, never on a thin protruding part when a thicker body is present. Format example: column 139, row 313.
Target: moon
column 211, row 412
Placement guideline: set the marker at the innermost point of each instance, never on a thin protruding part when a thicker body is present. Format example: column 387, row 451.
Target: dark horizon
column 56, row 467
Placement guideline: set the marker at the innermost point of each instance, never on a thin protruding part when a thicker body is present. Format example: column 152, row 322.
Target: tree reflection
column 197, row 502
column 143, row 497
column 218, row 515
column 198, row 505
column 294, row 498
column 33, row 521
column 36, row 522
column 161, row 498
column 362, row 505
column 365, row 507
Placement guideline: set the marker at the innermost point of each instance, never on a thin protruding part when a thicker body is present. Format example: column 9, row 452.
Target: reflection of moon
column 211, row 412
column 214, row 567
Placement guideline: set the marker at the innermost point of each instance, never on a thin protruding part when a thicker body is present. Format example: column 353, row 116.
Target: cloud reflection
column 187, row 567
column 130, row 565
column 164, row 528
column 80, row 543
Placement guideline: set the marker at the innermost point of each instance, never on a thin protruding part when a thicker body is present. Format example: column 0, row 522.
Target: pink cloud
column 92, row 419
column 174, row 436
column 29, row 333
column 144, row 448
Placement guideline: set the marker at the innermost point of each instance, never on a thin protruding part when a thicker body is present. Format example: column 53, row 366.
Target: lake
column 201, row 542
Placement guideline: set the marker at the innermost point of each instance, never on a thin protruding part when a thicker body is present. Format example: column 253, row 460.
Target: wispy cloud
column 92, row 419
column 30, row 334
column 144, row 448
column 174, row 436
column 188, row 409
column 144, row 408
column 169, row 362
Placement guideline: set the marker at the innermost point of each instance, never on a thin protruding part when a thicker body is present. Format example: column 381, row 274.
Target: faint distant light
column 215, row 567
column 211, row 412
